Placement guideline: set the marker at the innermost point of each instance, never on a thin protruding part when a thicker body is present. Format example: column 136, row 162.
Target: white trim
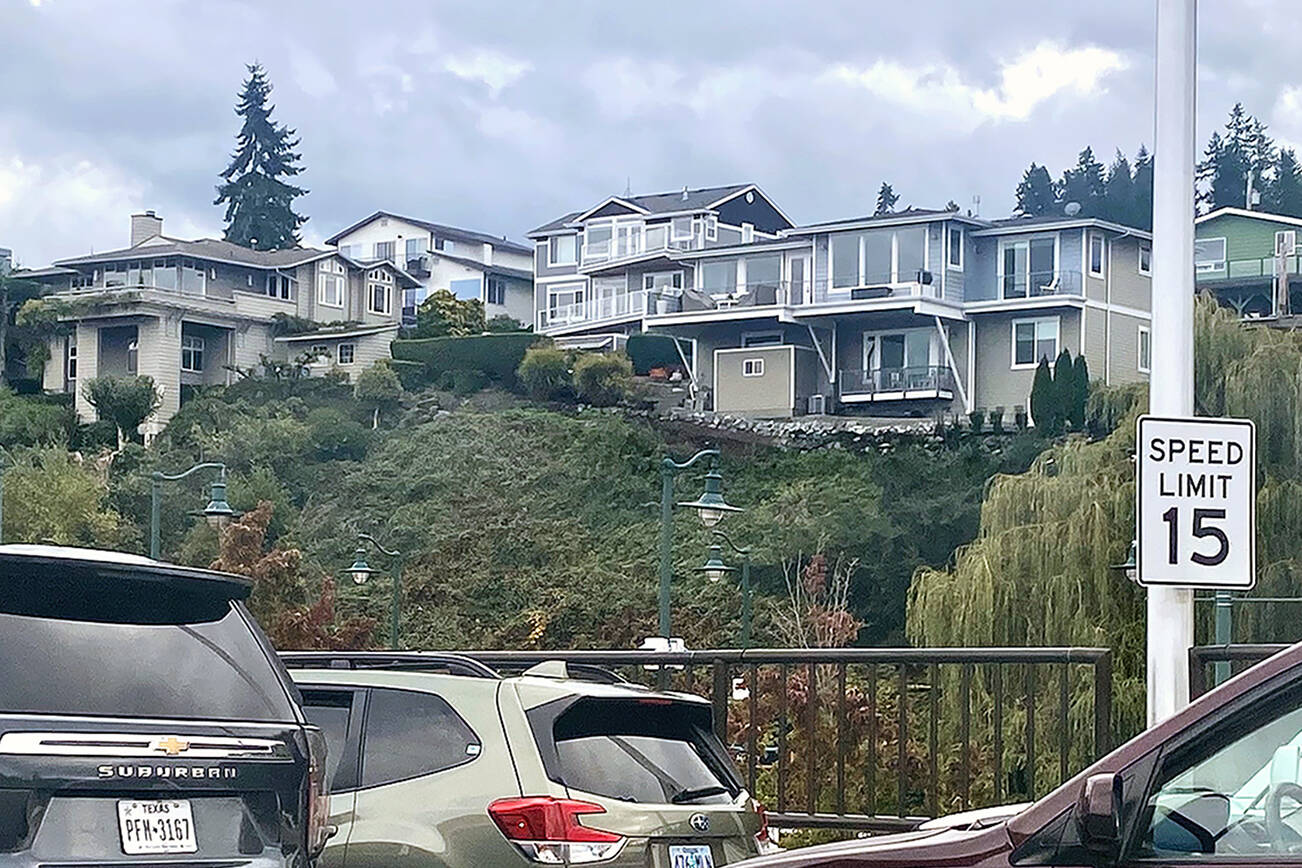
column 334, row 336
column 579, row 218
column 949, row 247
column 879, row 222
column 352, row 350
column 1090, row 238
column 713, row 206
column 1139, row 347
column 755, row 366
column 1057, row 324
column 1056, row 225
column 1239, row 212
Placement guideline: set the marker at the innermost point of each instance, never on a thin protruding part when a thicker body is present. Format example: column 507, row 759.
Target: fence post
column 722, row 689
column 1103, row 704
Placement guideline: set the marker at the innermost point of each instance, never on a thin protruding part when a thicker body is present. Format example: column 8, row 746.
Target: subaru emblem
column 699, row 822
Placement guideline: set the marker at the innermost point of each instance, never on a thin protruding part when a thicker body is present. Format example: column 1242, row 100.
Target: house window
column 1145, row 349
column 712, row 229
column 82, row 281
column 761, row 339
column 1029, row 267
column 115, row 275
column 895, row 353
column 718, row 277
column 331, row 279
column 1096, row 255
column 347, row 352
column 384, row 250
column 133, row 356
column 664, row 280
column 379, row 291
column 191, row 354
column 415, row 248
column 1285, row 242
column 680, row 230
column 165, row 273
column 1209, row 254
column 193, row 277
column 655, row 237
column 955, row 259
column 444, row 244
column 596, row 241
column 1033, row 340
column 495, row 290
column 70, row 363
column 845, row 260
column 561, row 249
column 752, row 368
column 1145, row 258
column 565, row 303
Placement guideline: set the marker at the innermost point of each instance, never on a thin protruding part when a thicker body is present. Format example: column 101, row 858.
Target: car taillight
column 318, row 793
column 548, row 830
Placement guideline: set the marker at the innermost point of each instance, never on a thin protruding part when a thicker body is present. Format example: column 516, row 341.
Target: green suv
column 438, row 761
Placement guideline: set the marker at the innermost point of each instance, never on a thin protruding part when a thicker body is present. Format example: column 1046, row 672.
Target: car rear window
column 650, row 751
column 214, row 669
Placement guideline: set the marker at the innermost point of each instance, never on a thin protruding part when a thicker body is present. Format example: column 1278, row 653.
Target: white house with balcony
column 195, row 313
column 598, row 273
column 471, row 265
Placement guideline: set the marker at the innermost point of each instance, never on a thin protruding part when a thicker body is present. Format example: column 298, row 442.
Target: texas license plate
column 156, row 827
column 690, row 856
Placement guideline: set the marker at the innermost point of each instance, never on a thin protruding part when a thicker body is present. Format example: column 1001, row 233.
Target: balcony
column 596, row 311
column 194, row 287
column 919, row 284
column 629, row 246
column 896, row 384
column 1239, row 269
column 1039, row 284
column 418, row 265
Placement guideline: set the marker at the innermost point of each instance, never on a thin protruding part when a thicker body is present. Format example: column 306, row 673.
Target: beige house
column 194, row 313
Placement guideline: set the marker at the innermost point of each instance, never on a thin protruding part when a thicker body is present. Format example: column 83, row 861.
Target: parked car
column 437, row 761
column 1218, row 783
column 145, row 720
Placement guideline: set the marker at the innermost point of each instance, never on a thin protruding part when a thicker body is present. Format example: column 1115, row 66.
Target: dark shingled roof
column 440, row 229
column 659, row 203
column 204, row 248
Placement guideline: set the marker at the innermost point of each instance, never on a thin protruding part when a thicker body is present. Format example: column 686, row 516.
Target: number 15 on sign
column 1196, row 502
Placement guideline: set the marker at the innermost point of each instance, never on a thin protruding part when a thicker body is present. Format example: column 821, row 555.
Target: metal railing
column 186, row 290
column 598, row 309
column 1239, row 657
column 1266, row 266
column 1036, row 284
column 919, row 284
column 879, row 738
column 625, row 248
column 929, row 378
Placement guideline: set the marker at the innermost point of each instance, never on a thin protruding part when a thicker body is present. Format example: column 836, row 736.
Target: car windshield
column 648, row 751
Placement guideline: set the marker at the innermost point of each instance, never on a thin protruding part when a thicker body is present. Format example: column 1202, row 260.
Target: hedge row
column 497, row 355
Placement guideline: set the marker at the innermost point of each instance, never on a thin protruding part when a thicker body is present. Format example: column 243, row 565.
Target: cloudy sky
column 502, row 114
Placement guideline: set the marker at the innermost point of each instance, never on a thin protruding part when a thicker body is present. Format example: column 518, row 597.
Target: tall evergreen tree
column 1283, row 195
column 886, row 199
column 1143, row 185
column 1119, row 192
column 1045, row 409
column 1260, row 154
column 1084, row 183
column 1035, row 195
column 259, row 203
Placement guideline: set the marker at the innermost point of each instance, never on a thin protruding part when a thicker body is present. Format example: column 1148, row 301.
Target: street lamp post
column 361, row 571
column 217, row 513
column 710, row 506
column 716, row 570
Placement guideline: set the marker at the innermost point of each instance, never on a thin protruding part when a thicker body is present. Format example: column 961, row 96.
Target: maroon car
column 1220, row 783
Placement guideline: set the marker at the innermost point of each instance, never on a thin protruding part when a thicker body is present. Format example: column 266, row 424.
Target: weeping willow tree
column 1038, row 572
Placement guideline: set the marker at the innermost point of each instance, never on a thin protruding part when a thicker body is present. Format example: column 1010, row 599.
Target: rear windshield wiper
column 697, row 793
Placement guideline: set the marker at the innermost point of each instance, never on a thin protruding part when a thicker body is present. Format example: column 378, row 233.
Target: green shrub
column 545, row 373
column 468, row 382
column 410, row 374
column 334, row 435
column 125, row 401
column 647, row 351
column 1044, row 399
column 603, row 379
column 29, row 421
column 379, row 390
column 497, row 355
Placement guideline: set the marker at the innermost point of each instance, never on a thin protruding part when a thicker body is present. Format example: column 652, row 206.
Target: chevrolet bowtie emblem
column 172, row 746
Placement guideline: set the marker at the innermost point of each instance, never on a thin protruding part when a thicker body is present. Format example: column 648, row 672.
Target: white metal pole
column 1170, row 610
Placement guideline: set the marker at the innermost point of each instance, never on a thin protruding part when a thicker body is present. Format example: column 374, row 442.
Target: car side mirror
column 1098, row 815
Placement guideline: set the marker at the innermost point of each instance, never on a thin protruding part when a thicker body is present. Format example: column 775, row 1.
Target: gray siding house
column 190, row 313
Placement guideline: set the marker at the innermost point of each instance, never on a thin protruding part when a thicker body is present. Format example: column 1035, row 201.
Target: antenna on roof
column 976, row 205
column 628, row 186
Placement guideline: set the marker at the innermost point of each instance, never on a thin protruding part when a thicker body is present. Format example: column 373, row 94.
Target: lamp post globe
column 218, row 512
column 360, row 570
column 714, row 569
column 710, row 506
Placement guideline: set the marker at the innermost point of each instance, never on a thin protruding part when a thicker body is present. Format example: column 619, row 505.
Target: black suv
column 145, row 719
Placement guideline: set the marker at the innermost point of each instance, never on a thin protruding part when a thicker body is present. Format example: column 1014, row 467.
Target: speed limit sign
column 1196, row 502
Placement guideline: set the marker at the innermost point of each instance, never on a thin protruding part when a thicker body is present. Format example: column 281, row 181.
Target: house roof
column 1254, row 215
column 1010, row 225
column 404, row 278
column 893, row 218
column 698, row 199
column 36, row 273
column 453, row 232
column 504, row 271
column 355, row 331
column 210, row 249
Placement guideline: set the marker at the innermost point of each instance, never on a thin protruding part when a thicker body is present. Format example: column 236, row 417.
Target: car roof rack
column 411, row 661
column 574, row 672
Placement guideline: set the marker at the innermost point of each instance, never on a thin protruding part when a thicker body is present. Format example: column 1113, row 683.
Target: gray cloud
column 501, row 114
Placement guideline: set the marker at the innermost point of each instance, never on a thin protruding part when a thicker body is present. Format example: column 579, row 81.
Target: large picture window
column 331, row 283
column 1033, row 340
column 379, row 291
column 1209, row 254
column 192, row 354
column 562, row 249
column 1029, row 267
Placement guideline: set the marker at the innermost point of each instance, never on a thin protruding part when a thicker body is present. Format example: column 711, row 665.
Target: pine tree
column 1119, row 192
column 1080, row 393
column 1064, row 387
column 1260, row 155
column 259, row 204
column 1284, row 193
column 1044, row 398
column 1143, row 184
column 1035, row 195
column 886, row 199
column 1084, row 184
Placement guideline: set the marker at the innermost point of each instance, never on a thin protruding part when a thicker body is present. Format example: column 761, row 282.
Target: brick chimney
column 145, row 226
